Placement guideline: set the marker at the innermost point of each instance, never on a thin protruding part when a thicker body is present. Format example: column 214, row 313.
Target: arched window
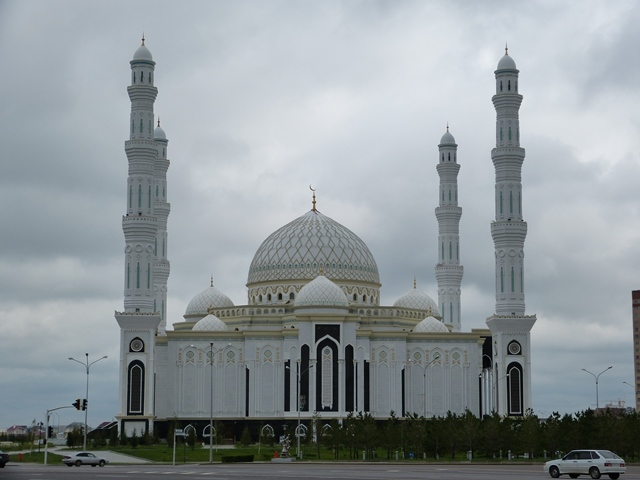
column 139, row 195
column 138, row 275
column 509, row 85
column 149, row 197
column 515, row 389
column 148, row 275
column 130, row 195
column 509, row 133
column 450, row 251
column 500, row 133
column 279, row 296
column 449, row 194
column 510, row 201
column 500, row 85
column 142, row 76
column 442, row 251
column 292, row 296
column 128, row 275
column 135, row 393
column 500, row 203
column 513, row 280
column 155, row 246
column 140, row 126
column 449, row 157
column 134, row 77
column 501, row 280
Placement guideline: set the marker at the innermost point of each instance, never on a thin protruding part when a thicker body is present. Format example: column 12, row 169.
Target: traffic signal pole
column 46, row 429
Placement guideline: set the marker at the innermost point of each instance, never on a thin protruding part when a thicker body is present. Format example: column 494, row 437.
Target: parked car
column 84, row 458
column 4, row 458
column 587, row 462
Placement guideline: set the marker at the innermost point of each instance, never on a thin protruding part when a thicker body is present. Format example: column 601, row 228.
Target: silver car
column 587, row 462
column 84, row 458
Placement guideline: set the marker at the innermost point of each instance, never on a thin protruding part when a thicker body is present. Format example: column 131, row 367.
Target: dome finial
column 143, row 39
column 211, row 274
column 414, row 282
column 313, row 202
column 158, row 120
column 447, row 126
column 506, row 48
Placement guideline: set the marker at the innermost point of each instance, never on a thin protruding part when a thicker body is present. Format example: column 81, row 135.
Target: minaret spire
column 448, row 269
column 313, row 202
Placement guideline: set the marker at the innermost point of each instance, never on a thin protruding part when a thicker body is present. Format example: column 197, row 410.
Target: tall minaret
column 161, row 267
column 448, row 269
column 510, row 327
column 146, row 268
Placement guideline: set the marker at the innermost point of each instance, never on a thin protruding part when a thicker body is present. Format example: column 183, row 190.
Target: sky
column 259, row 100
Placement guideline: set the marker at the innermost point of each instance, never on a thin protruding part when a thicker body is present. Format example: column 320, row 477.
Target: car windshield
column 608, row 454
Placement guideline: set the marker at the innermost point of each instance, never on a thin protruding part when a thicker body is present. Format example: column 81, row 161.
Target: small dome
column 210, row 323
column 506, row 63
column 447, row 139
column 430, row 325
column 142, row 53
column 158, row 133
column 418, row 300
column 209, row 298
column 321, row 291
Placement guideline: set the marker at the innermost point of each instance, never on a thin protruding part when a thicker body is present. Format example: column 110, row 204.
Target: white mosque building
column 312, row 337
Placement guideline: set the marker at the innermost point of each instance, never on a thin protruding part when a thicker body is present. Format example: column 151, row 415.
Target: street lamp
column 211, row 406
column 436, row 357
column 299, row 374
column 87, row 365
column 596, row 378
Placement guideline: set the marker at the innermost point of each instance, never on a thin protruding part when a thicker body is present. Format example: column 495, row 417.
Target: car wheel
column 594, row 472
column 554, row 472
column 574, row 475
column 614, row 475
column 79, row 462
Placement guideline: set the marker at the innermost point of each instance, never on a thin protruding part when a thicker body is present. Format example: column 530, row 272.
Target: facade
column 312, row 337
column 635, row 299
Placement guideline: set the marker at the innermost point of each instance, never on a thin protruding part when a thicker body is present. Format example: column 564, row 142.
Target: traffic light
column 84, row 404
column 77, row 404
column 50, row 432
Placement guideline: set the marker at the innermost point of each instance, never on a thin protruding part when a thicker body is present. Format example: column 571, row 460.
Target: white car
column 587, row 462
column 84, row 458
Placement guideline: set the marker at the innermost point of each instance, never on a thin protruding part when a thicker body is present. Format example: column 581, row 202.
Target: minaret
column 145, row 269
column 509, row 325
column 448, row 269
column 161, row 267
column 140, row 225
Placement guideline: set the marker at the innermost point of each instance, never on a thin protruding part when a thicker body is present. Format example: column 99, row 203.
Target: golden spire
column 143, row 39
column 313, row 202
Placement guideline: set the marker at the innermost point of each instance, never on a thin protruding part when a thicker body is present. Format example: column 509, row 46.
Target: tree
column 245, row 438
column 392, row 437
column 134, row 440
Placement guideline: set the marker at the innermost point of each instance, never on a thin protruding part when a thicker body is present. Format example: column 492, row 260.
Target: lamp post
column 299, row 374
column 211, row 407
column 87, row 365
column 596, row 378
column 436, row 357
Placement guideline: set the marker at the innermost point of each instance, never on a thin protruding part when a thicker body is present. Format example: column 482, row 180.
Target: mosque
column 312, row 338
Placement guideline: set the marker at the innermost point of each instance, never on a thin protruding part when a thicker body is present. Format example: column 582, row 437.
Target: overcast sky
column 260, row 99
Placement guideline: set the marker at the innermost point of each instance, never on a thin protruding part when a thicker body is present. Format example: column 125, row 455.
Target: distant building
column 313, row 336
column 635, row 298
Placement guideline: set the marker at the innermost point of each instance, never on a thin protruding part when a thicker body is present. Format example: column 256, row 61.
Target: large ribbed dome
column 299, row 250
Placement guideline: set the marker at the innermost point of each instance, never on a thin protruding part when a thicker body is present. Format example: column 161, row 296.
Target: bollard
column 396, row 454
column 509, row 454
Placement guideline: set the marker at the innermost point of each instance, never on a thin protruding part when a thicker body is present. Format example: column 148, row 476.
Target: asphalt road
column 269, row 471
